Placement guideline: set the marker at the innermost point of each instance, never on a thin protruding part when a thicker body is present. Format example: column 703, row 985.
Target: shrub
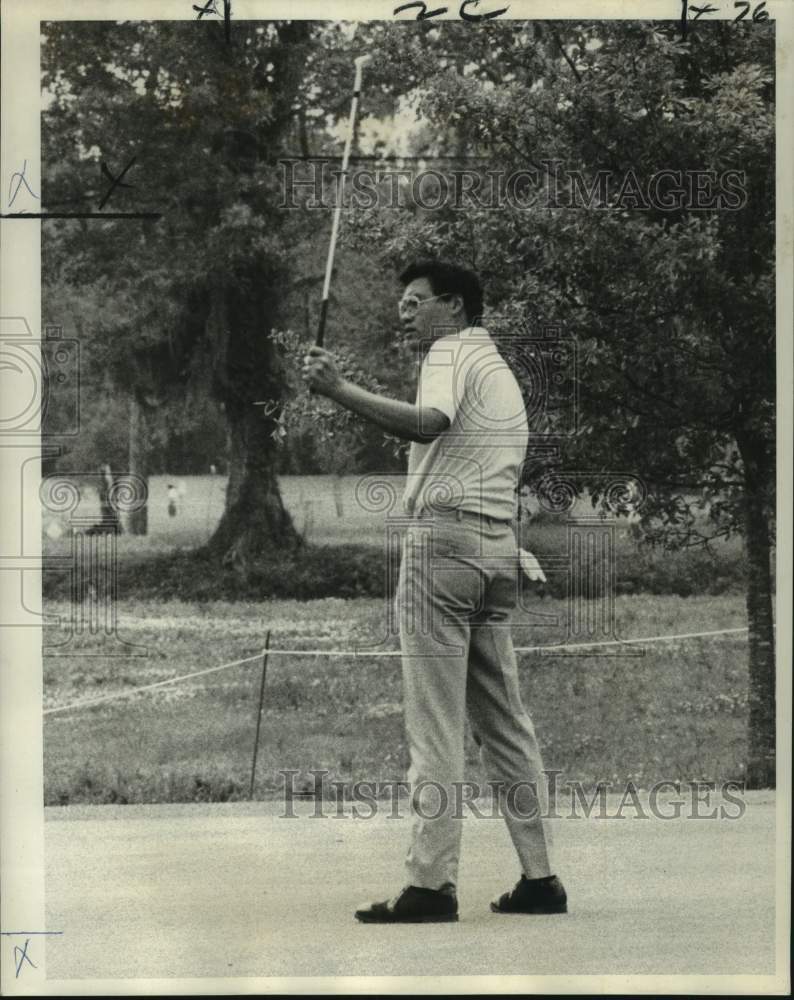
column 361, row 571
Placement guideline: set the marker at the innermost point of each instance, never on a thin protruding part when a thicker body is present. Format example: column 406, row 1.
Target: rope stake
column 259, row 713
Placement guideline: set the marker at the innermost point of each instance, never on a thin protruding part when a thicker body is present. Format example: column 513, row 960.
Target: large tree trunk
column 236, row 450
column 255, row 524
column 761, row 726
column 245, row 296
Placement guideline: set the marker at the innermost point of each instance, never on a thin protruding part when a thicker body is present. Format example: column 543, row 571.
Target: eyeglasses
column 409, row 304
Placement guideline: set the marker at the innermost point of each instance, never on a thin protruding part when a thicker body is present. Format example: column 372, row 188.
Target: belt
column 459, row 515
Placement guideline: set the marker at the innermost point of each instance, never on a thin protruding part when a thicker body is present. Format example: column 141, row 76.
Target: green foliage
column 337, row 435
column 673, row 311
column 184, row 435
column 180, row 307
column 359, row 570
column 153, row 304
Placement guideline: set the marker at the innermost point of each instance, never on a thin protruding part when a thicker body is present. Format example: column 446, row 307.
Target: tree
column 206, row 123
column 199, row 124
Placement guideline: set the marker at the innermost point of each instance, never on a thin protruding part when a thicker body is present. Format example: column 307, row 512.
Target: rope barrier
column 373, row 653
column 148, row 687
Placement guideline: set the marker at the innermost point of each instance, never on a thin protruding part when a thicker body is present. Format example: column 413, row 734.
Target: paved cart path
column 238, row 890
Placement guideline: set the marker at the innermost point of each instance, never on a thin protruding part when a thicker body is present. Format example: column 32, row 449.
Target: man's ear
column 456, row 301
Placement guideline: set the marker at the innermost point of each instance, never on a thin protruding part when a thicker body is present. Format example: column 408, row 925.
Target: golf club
column 360, row 63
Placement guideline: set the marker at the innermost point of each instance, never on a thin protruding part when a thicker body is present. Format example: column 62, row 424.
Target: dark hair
column 449, row 279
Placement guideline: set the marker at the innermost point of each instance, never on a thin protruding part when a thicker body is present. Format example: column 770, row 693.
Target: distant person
column 213, row 469
column 461, row 660
column 173, row 496
column 108, row 515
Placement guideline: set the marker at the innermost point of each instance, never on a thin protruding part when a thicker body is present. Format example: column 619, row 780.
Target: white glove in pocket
column 531, row 566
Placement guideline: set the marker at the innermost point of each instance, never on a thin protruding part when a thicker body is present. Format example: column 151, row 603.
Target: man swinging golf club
column 457, row 589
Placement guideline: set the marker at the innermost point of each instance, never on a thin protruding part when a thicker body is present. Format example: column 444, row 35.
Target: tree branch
column 566, row 57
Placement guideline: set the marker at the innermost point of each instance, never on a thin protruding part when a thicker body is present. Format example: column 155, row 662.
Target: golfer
column 456, row 592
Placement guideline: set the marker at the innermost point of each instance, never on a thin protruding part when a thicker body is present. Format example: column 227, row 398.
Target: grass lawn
column 676, row 712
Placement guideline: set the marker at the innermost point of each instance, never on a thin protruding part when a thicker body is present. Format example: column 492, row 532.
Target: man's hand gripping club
column 403, row 420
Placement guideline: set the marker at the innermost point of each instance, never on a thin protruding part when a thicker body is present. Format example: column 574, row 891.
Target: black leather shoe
column 414, row 905
column 533, row 896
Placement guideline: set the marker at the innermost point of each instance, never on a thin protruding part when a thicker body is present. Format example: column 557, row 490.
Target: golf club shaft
column 340, row 190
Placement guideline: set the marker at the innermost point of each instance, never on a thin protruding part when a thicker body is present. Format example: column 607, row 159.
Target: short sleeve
column 441, row 379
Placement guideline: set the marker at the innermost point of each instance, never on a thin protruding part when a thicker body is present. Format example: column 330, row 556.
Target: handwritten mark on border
column 210, row 8
column 424, row 13
column 759, row 14
column 21, row 953
column 22, row 180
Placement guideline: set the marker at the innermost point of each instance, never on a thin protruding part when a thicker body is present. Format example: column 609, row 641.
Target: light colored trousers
column 455, row 596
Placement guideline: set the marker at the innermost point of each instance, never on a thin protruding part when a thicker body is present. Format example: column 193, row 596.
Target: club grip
column 321, row 325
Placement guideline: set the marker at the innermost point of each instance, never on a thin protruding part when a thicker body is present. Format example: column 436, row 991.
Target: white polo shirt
column 474, row 465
